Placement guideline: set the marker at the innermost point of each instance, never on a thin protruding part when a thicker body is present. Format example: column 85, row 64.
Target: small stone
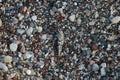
column 115, row 19
column 41, row 64
column 20, row 16
column 96, row 15
column 3, row 67
column 34, row 17
column 8, row 59
column 28, row 55
column 103, row 65
column 39, row 29
column 75, row 3
column 102, row 72
column 81, row 67
column 20, row 31
column 92, row 23
column 15, row 20
column 28, row 72
column 0, row 0
column 78, row 21
column 13, row 46
column 0, row 22
column 95, row 67
column 29, row 31
column 44, row 36
column 60, row 10
column 72, row 18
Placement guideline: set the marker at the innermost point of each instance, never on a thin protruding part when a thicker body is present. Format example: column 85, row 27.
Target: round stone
column 72, row 18
column 95, row 67
column 13, row 46
column 75, row 3
column 39, row 29
column 103, row 65
column 28, row 72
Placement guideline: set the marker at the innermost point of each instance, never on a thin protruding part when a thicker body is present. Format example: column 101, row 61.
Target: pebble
column 95, row 67
column 13, row 46
column 79, row 21
column 28, row 54
column 0, row 22
column 29, row 31
column 28, row 72
column 72, row 18
column 39, row 29
column 20, row 31
column 3, row 67
column 20, row 16
column 8, row 59
column 92, row 23
column 102, row 72
column 34, row 18
column 44, row 36
column 115, row 20
column 103, row 65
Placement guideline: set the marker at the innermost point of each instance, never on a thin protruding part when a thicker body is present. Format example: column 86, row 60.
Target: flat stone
column 8, row 59
column 28, row 54
column 13, row 46
column 72, row 18
column 20, row 31
column 115, row 19
column 3, row 67
column 0, row 22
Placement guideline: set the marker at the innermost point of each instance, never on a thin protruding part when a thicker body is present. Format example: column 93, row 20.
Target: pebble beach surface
column 59, row 39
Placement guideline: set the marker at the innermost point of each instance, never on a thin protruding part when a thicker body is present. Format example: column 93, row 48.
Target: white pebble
column 75, row 3
column 115, row 19
column 44, row 36
column 13, row 46
column 39, row 29
column 34, row 17
column 103, row 65
column 28, row 72
column 72, row 18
